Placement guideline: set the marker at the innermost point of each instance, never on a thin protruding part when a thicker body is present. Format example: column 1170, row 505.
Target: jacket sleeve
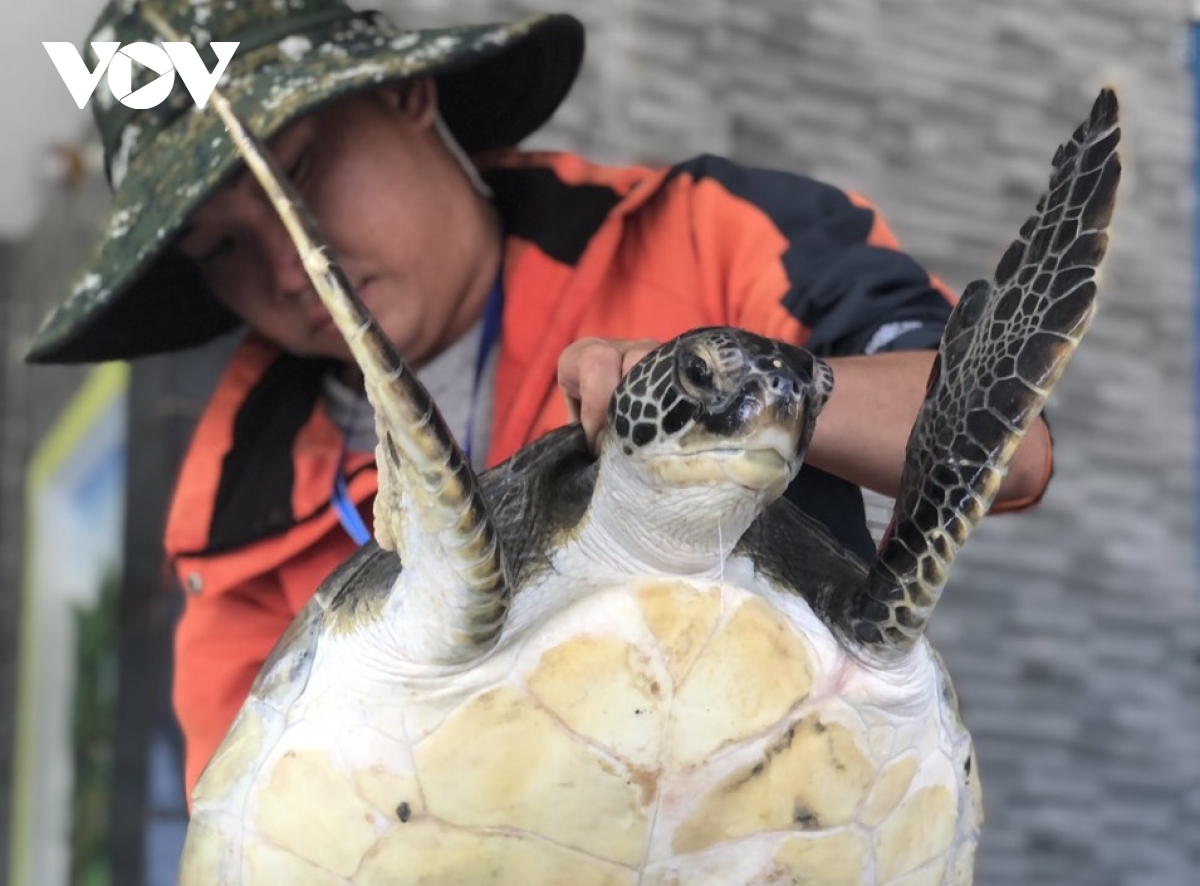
column 830, row 261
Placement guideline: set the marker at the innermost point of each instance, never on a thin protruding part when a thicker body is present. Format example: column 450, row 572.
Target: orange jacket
column 590, row 251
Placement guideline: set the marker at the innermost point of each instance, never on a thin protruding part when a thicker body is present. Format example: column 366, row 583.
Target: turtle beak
column 798, row 386
column 782, row 397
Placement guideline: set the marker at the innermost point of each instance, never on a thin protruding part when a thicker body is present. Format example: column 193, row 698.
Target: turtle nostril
column 784, row 384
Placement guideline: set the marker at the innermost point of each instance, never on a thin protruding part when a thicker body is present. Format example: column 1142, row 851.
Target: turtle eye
column 697, row 373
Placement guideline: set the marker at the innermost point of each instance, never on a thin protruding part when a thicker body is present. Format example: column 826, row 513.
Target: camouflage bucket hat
column 135, row 295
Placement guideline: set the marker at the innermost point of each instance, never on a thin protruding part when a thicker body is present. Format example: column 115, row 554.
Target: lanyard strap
column 489, row 337
column 347, row 513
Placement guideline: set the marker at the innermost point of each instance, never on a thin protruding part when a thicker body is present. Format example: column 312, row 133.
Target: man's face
column 415, row 240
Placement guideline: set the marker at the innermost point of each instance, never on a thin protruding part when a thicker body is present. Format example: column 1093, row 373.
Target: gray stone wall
column 1072, row 631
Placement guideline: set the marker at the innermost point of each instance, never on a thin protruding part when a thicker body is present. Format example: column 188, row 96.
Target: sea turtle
column 647, row 667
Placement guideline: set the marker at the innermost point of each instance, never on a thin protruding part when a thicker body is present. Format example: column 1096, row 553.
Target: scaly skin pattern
column 1004, row 348
column 656, row 731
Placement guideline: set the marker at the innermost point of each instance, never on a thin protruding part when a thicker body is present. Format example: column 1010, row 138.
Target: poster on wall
column 66, row 672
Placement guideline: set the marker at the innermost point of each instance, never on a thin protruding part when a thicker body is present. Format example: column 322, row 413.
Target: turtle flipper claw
column 1004, row 347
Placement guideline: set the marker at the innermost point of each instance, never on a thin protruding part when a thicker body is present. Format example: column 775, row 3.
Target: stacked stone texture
column 1072, row 631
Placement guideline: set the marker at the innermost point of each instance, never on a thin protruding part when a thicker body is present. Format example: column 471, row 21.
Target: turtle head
column 719, row 406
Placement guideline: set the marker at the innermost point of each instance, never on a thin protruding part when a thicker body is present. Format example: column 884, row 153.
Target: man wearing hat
column 507, row 278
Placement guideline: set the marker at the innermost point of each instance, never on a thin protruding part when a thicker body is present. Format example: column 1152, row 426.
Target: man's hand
column 589, row 371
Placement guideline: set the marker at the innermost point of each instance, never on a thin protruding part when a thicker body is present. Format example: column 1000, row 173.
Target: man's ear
column 415, row 100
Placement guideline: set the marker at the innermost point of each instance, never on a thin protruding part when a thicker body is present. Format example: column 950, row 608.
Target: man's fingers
column 588, row 372
column 600, row 373
column 569, row 370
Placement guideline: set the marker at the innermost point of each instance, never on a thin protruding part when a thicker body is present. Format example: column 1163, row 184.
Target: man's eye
column 220, row 249
column 298, row 167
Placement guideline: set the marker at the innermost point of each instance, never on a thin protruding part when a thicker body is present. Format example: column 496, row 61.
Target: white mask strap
column 460, row 155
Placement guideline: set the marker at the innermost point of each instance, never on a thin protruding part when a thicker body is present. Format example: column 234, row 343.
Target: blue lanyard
column 493, row 314
column 347, row 513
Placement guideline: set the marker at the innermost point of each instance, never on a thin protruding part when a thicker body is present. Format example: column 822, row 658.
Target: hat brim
column 135, row 296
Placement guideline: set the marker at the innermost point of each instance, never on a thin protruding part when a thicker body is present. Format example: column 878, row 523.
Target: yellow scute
column 267, row 864
column 205, row 859
column 811, row 778
column 608, row 691
column 681, row 617
column 245, row 741
column 751, row 673
column 307, row 806
column 921, row 829
column 387, row 790
column 503, row 761
column 430, row 854
column 933, row 874
column 827, row 860
column 893, row 784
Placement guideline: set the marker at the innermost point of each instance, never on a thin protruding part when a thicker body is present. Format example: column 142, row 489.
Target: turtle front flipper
column 1003, row 349
column 429, row 507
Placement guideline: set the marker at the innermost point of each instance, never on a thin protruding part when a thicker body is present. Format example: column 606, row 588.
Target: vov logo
column 166, row 60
